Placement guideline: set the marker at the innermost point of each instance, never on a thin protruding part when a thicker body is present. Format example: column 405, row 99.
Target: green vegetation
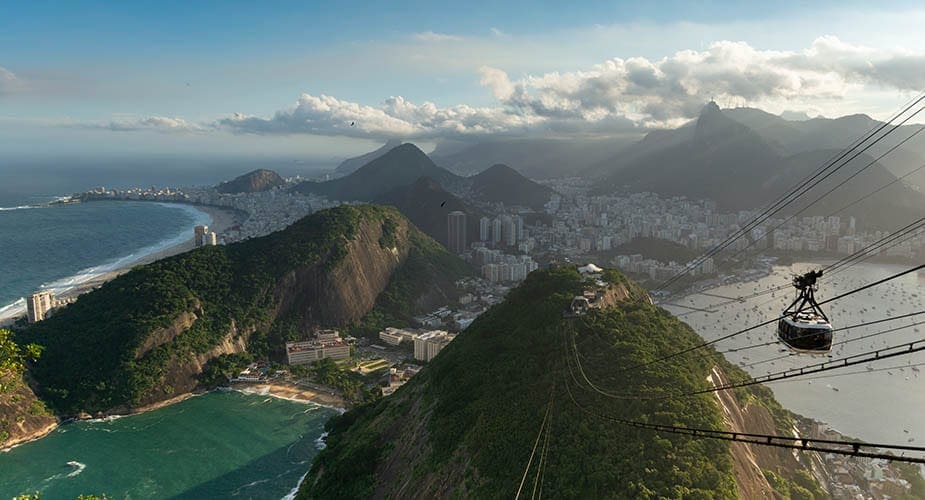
column 329, row 373
column 17, row 403
column 389, row 238
column 913, row 474
column 220, row 368
column 801, row 487
column 13, row 358
column 116, row 345
column 469, row 419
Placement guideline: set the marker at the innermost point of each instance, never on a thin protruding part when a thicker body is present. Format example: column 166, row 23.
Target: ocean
column 60, row 246
column 218, row 445
column 879, row 402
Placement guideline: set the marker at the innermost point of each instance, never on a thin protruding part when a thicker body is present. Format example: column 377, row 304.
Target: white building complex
column 203, row 237
column 395, row 336
column 39, row 304
column 428, row 345
column 326, row 344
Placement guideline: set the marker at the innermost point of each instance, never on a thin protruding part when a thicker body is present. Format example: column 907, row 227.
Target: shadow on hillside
column 270, row 476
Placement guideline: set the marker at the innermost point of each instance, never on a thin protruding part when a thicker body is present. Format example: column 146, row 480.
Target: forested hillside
column 465, row 426
column 146, row 335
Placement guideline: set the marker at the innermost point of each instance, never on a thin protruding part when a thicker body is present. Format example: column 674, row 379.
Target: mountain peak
column 408, row 154
column 351, row 164
column 400, row 166
column 712, row 122
column 252, row 182
column 501, row 183
column 500, row 168
column 710, row 107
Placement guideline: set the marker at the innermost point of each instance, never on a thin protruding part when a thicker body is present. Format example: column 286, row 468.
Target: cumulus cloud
column 430, row 36
column 396, row 117
column 660, row 92
column 616, row 95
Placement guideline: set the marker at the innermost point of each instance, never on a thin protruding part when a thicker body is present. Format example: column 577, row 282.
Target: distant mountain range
column 405, row 164
column 835, row 133
column 745, row 158
column 717, row 158
column 787, row 134
column 741, row 158
column 252, row 182
column 535, row 158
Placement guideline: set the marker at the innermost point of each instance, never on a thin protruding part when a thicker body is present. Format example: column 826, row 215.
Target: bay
column 218, row 445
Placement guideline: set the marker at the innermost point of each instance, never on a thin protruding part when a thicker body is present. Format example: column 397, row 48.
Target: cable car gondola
column 803, row 326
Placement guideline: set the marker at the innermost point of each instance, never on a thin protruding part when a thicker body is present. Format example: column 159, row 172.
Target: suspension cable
column 773, row 320
column 838, row 447
column 533, row 452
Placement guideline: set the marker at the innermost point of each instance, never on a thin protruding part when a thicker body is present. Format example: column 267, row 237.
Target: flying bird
column 444, row 203
column 353, row 123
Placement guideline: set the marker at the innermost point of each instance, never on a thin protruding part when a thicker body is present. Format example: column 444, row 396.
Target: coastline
column 35, row 436
column 221, row 220
column 289, row 391
column 293, row 391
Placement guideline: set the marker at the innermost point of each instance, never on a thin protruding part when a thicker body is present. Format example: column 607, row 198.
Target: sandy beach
column 293, row 391
column 222, row 219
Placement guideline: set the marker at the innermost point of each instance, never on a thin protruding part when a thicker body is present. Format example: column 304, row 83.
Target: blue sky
column 90, row 76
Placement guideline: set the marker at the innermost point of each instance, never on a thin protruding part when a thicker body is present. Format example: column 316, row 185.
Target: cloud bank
column 615, row 96
column 152, row 123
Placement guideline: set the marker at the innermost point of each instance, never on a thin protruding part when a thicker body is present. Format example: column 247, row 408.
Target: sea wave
column 21, row 207
column 265, row 391
column 83, row 276
column 295, row 491
column 78, row 468
column 320, row 443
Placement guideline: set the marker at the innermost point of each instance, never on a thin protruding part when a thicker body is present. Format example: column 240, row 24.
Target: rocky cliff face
column 333, row 292
column 344, row 294
column 23, row 416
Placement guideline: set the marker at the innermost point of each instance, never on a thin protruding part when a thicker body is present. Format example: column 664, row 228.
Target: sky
column 328, row 80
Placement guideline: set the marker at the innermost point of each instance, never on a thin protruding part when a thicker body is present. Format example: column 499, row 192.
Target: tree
column 13, row 357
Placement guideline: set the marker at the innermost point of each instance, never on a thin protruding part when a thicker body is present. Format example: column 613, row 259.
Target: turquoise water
column 219, row 445
column 58, row 247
